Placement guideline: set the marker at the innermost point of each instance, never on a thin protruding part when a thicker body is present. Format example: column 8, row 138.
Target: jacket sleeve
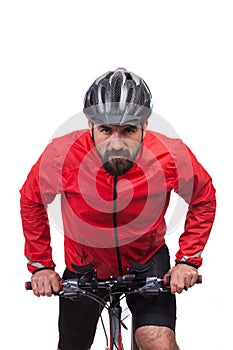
column 38, row 191
column 195, row 186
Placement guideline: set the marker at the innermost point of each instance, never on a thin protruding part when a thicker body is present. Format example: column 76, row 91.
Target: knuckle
column 180, row 286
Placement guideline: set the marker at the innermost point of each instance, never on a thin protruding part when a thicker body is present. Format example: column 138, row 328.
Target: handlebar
column 128, row 284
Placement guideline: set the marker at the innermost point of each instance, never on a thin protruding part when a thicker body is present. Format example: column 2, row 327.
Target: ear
column 91, row 129
column 145, row 125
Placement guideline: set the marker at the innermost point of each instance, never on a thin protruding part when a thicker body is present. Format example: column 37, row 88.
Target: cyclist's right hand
column 45, row 282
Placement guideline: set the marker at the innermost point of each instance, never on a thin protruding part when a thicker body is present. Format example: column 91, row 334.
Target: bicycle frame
column 114, row 312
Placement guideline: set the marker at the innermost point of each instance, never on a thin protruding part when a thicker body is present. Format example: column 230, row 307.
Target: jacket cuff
column 42, row 268
column 187, row 263
column 195, row 260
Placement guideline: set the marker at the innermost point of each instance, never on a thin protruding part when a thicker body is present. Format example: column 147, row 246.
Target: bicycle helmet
column 118, row 97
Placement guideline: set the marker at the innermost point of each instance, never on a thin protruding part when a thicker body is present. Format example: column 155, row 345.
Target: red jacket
column 109, row 220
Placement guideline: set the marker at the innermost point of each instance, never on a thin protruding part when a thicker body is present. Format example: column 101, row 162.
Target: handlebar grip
column 28, row 286
column 167, row 279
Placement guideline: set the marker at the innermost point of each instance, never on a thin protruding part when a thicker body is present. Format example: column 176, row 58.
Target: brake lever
column 153, row 286
column 70, row 288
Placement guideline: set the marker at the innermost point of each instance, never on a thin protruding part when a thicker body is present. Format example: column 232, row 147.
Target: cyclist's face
column 117, row 146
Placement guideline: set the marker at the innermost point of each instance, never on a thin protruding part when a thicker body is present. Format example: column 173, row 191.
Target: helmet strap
column 142, row 132
column 92, row 133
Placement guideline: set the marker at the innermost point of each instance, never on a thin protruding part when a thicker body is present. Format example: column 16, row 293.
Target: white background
column 51, row 51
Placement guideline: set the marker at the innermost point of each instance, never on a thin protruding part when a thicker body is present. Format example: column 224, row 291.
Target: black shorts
column 78, row 319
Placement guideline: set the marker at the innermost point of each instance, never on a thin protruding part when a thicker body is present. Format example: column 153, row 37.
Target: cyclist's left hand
column 182, row 276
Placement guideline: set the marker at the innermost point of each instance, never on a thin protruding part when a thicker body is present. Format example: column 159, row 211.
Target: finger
column 177, row 284
column 52, row 285
column 180, row 286
column 41, row 288
column 190, row 279
column 180, row 283
column 194, row 279
column 47, row 286
column 187, row 281
column 48, row 289
column 173, row 284
column 35, row 288
column 56, row 285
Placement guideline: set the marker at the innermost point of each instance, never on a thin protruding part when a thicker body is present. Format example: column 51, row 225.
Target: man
column 115, row 181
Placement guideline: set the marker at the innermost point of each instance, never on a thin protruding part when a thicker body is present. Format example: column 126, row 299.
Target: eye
column 105, row 130
column 130, row 130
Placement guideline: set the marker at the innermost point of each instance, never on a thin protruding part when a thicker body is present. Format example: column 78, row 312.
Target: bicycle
column 86, row 285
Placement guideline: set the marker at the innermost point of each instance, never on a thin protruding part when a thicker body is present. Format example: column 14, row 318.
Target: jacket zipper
column 118, row 254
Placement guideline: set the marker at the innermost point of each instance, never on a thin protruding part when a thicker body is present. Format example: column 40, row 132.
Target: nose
column 116, row 142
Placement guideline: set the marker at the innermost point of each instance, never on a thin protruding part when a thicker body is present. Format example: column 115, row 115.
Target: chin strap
column 142, row 133
column 92, row 133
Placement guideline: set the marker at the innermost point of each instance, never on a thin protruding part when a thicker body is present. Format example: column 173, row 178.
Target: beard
column 117, row 166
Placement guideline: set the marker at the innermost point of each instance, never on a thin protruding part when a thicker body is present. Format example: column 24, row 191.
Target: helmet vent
column 103, row 94
column 128, row 76
column 108, row 75
column 92, row 99
column 116, row 88
column 142, row 98
column 129, row 96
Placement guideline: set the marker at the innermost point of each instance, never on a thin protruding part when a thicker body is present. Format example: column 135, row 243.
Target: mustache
column 122, row 153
